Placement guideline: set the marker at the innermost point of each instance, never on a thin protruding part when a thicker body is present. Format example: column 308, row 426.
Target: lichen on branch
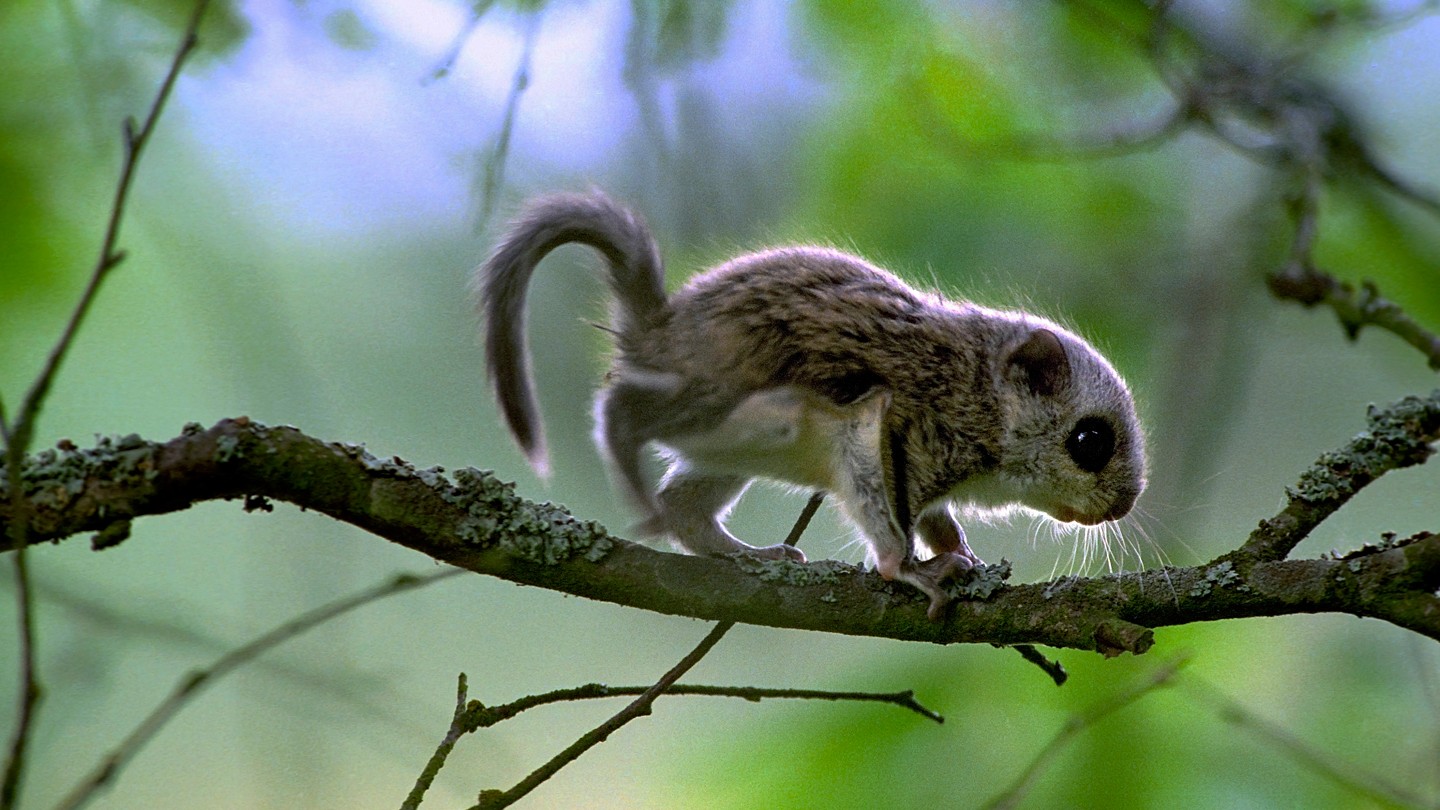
column 475, row 521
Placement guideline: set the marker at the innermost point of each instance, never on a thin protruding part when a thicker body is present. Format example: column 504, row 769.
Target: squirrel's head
column 1072, row 446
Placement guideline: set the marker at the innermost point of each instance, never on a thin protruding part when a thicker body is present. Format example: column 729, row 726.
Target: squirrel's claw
column 930, row 575
column 776, row 552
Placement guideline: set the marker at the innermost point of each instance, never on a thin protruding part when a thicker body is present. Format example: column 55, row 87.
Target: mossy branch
column 474, row 521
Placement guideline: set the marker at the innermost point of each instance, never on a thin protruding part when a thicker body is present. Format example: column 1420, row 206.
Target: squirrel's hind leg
column 692, row 506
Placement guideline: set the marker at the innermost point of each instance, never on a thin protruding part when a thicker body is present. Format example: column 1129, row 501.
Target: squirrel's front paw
column 930, row 575
column 776, row 552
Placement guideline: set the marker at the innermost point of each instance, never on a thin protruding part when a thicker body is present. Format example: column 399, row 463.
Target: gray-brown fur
column 635, row 273
column 813, row 367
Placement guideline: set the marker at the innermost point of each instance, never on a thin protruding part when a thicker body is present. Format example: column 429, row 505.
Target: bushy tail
column 635, row 275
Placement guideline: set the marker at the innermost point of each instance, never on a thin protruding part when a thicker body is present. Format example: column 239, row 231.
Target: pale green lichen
column 60, row 473
column 227, row 448
column 1397, row 436
column 1222, row 575
column 985, row 579
column 54, row 478
column 789, row 572
column 537, row 532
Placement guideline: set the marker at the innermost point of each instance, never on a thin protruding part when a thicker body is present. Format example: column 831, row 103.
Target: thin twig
column 447, row 744
column 478, row 8
column 1120, row 143
column 1370, row 786
column 1402, row 188
column 492, row 176
column 491, row 799
column 807, row 513
column 1054, row 669
column 110, row 253
column 1310, row 135
column 1301, row 281
column 1076, row 725
column 1304, row 127
column 30, row 688
column 1355, row 308
column 193, row 683
column 474, row 716
column 20, row 432
column 640, row 707
column 478, row 717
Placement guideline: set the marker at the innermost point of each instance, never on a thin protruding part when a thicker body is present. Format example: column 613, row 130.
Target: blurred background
column 300, row 236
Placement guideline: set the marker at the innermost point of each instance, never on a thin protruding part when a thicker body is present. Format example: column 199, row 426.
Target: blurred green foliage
column 299, row 246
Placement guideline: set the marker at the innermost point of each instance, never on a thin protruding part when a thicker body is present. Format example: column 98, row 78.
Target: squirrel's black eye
column 1091, row 444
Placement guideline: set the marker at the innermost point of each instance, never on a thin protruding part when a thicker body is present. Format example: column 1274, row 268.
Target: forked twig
column 491, row 799
column 442, row 752
column 478, row 717
column 19, row 433
column 473, row 716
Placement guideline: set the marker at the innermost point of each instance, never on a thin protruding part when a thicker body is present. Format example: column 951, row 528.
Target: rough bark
column 473, row 520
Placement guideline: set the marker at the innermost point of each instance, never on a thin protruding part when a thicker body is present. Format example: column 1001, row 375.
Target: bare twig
column 474, row 716
column 1054, row 669
column 111, row 255
column 20, row 432
column 1354, row 308
column 477, row 717
column 193, row 683
column 30, row 688
column 1036, row 149
column 1299, row 280
column 478, row 8
column 442, row 752
column 492, row 175
column 807, row 513
column 1370, row 786
column 1076, row 725
column 1299, row 124
column 491, row 799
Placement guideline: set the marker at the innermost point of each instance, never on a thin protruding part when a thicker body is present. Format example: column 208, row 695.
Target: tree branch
column 1356, row 309
column 478, row 523
column 1398, row 436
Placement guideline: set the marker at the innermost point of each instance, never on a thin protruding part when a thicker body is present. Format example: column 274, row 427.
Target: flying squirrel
column 812, row 367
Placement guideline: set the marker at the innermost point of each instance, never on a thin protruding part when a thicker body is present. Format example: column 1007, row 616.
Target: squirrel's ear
column 1040, row 362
